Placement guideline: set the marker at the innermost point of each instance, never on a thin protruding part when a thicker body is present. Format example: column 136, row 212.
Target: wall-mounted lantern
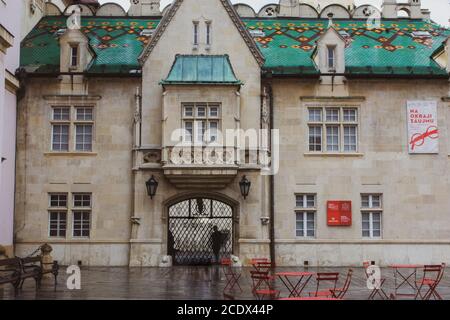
column 245, row 185
column 152, row 186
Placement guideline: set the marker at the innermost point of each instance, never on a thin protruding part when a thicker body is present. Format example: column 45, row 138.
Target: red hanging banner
column 339, row 213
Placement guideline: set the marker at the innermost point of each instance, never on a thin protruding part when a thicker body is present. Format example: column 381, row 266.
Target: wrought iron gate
column 191, row 224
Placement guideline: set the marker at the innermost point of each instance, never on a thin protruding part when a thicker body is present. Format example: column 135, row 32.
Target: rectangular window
column 61, row 114
column 200, row 130
column 58, row 200
column 332, row 138
column 188, row 111
column 332, row 114
column 60, row 137
column 213, row 131
column 315, row 115
column 305, row 224
column 350, row 115
column 83, row 137
column 315, row 138
column 188, row 131
column 199, row 119
column 331, row 50
column 208, row 33
column 74, row 56
column 371, row 211
column 82, row 204
column 82, row 200
column 305, row 215
column 81, row 224
column 57, row 224
column 195, row 33
column 339, row 127
column 76, row 127
column 350, row 139
column 84, row 114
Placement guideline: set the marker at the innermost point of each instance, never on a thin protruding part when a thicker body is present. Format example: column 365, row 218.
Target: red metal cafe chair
column 376, row 290
column 432, row 276
column 331, row 279
column 262, row 285
column 231, row 275
column 340, row 293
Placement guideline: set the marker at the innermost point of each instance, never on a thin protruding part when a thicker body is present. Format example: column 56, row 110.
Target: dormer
column 329, row 55
column 442, row 55
column 144, row 8
column 75, row 53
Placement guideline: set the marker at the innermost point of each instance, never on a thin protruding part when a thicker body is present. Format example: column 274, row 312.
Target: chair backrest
column 328, row 277
column 432, row 272
column 260, row 279
column 347, row 282
column 263, row 266
column 256, row 260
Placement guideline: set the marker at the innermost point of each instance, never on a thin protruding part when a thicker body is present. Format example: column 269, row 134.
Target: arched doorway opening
column 191, row 239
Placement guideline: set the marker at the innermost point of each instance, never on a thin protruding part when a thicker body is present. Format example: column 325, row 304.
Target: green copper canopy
column 205, row 69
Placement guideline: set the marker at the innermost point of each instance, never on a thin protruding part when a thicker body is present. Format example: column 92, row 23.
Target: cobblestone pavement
column 184, row 283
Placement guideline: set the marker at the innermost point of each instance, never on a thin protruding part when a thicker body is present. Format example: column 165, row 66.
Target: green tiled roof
column 116, row 42
column 287, row 45
column 201, row 69
column 388, row 49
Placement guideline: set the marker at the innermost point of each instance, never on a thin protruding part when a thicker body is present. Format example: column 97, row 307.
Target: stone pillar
column 47, row 259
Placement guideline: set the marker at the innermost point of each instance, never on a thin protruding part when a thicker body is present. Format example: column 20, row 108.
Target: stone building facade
column 121, row 162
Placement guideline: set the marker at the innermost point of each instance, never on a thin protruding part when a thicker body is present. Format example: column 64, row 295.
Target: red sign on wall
column 339, row 213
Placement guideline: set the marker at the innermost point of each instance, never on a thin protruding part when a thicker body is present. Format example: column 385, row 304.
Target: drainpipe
column 272, row 184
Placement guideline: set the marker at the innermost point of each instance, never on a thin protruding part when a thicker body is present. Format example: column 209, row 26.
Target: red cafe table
column 405, row 275
column 295, row 290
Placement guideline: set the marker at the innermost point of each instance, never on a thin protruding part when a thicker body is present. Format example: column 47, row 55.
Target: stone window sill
column 71, row 154
column 333, row 154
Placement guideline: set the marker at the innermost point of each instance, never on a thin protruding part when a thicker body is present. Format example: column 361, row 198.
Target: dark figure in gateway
column 216, row 241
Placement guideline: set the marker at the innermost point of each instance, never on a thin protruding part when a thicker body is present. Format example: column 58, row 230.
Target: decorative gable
column 231, row 13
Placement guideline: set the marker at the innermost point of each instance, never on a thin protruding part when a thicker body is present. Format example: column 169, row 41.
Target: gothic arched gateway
column 191, row 224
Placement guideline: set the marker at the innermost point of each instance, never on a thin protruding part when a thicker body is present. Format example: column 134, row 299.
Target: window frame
column 72, row 123
column 326, row 122
column 58, row 209
column 208, row 33
column 305, row 210
column 370, row 210
column 331, row 58
column 197, row 119
column 74, row 48
column 82, row 209
column 196, row 34
column 59, row 229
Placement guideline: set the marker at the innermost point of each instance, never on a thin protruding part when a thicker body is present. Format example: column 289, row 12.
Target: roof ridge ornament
column 330, row 19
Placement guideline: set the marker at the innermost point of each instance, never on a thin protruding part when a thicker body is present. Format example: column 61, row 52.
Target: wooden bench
column 33, row 267
column 10, row 272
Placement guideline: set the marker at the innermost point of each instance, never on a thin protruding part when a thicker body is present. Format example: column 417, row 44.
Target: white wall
column 10, row 18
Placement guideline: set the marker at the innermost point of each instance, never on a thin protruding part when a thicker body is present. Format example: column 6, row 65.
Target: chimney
column 145, row 8
column 389, row 9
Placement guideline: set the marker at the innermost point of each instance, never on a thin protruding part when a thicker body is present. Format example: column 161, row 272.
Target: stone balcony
column 200, row 167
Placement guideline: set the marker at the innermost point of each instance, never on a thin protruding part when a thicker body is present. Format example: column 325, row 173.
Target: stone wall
column 414, row 188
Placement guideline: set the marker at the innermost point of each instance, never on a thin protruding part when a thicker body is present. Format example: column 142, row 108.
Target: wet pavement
column 184, row 283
